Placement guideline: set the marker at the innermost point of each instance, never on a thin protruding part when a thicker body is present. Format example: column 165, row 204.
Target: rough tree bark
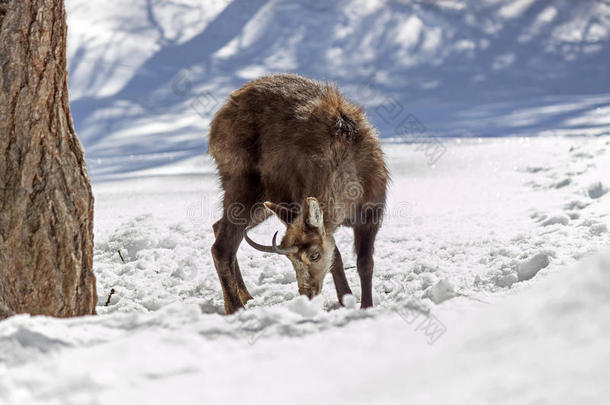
column 46, row 204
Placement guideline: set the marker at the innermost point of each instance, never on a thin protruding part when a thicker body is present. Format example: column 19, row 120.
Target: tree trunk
column 46, row 204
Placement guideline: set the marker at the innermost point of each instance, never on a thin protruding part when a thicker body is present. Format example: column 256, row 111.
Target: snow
column 530, row 267
column 596, row 190
column 441, row 291
column 444, row 330
column 489, row 284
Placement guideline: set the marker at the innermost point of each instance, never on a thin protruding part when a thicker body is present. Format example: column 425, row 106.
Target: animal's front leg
column 339, row 279
column 244, row 295
column 228, row 237
column 364, row 240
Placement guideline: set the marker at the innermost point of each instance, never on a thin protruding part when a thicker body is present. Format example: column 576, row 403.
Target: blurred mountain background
column 146, row 77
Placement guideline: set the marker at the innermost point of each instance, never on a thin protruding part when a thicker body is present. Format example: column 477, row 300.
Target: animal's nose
column 310, row 292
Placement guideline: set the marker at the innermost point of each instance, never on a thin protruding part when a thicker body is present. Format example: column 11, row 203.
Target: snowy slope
column 146, row 78
column 546, row 345
column 521, row 314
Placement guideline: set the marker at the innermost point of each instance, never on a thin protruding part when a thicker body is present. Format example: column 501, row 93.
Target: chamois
column 295, row 147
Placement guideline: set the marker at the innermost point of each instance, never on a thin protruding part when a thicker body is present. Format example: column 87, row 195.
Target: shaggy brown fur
column 282, row 139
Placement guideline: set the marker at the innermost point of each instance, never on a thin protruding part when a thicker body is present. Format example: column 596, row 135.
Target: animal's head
column 306, row 243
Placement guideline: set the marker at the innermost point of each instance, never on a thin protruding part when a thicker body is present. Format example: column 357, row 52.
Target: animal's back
column 299, row 137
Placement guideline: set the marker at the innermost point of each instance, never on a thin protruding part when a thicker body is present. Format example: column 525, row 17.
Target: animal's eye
column 315, row 256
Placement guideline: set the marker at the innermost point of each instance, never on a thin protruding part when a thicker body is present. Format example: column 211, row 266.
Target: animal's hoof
column 245, row 296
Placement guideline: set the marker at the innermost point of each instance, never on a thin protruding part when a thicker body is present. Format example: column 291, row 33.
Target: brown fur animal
column 296, row 147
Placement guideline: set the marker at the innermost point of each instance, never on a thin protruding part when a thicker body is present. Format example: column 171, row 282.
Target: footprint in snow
column 565, row 182
column 554, row 220
column 576, row 205
column 536, row 169
column 596, row 228
column 583, row 155
column 523, row 270
column 597, row 190
column 530, row 267
column 545, row 220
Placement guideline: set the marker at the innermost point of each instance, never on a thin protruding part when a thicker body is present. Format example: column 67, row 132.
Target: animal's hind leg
column 364, row 241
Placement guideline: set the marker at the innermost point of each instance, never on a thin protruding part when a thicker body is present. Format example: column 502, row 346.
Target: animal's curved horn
column 262, row 248
column 279, row 250
column 274, row 248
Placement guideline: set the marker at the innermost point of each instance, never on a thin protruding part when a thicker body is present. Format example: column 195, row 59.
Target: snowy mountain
column 147, row 77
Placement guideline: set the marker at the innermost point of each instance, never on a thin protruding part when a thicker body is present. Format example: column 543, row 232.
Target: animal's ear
column 314, row 217
column 286, row 213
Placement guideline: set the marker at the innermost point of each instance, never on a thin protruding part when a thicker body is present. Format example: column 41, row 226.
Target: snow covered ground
column 489, row 285
column 486, row 284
